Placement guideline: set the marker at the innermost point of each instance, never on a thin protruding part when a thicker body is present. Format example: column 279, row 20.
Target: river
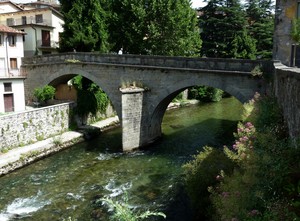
column 70, row 183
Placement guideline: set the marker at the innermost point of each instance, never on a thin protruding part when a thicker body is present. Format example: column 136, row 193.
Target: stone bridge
column 141, row 87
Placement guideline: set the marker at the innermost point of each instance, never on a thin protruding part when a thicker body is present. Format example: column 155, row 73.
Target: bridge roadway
column 141, row 87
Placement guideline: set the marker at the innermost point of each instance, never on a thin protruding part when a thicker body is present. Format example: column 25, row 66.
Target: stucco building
column 11, row 80
column 40, row 21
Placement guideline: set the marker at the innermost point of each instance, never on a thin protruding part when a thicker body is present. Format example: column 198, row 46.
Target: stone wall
column 287, row 91
column 27, row 127
column 285, row 12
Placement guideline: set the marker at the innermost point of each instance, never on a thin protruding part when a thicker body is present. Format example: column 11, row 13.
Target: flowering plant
column 244, row 140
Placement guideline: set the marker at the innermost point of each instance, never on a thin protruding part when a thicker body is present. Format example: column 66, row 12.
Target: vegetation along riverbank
column 257, row 178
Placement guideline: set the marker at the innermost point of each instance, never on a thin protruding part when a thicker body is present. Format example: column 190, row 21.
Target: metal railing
column 50, row 44
column 11, row 73
column 29, row 20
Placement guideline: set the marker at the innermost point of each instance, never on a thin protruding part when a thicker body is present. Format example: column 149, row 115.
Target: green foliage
column 202, row 172
column 44, row 93
column 265, row 181
column 162, row 27
column 90, row 98
column 206, row 94
column 85, row 26
column 268, row 169
column 260, row 18
column 123, row 211
column 224, row 33
column 295, row 31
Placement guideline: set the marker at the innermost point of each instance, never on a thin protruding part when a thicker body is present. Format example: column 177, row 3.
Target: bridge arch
column 162, row 103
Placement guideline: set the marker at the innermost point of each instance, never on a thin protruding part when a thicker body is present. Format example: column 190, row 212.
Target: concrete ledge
column 22, row 156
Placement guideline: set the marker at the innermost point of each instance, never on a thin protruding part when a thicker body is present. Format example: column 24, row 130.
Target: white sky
column 198, row 3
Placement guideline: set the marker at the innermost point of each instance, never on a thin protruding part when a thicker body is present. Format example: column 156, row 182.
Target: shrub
column 124, row 212
column 202, row 172
column 44, row 93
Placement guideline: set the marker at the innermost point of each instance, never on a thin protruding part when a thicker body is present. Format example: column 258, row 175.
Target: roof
column 54, row 11
column 13, row 4
column 6, row 29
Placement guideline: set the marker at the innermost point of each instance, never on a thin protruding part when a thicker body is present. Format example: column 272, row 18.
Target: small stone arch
column 72, row 72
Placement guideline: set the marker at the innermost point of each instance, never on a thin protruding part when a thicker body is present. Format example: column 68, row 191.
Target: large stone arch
column 160, row 107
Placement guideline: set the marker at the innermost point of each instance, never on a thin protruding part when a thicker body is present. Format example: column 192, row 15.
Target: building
column 284, row 46
column 12, row 96
column 40, row 21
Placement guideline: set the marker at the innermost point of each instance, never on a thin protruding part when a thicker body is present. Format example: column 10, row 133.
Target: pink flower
column 219, row 177
column 225, row 194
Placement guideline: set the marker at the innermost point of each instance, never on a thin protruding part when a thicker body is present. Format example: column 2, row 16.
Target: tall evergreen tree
column 224, row 33
column 85, row 26
column 261, row 25
column 159, row 27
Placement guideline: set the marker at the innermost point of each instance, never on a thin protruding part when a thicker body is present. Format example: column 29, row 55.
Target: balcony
column 29, row 20
column 12, row 73
column 47, row 44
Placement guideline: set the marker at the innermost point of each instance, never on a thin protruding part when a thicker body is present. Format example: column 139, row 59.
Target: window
column 10, row 21
column 45, row 38
column 13, row 63
column 23, row 34
column 12, row 40
column 39, row 18
column 7, row 87
column 24, row 20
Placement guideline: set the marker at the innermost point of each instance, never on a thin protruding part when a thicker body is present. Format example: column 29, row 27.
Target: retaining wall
column 287, row 91
column 18, row 129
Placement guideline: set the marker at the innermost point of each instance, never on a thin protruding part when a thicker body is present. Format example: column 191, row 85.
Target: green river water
column 70, row 183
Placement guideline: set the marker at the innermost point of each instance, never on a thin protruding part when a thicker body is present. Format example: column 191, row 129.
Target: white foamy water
column 22, row 207
column 117, row 190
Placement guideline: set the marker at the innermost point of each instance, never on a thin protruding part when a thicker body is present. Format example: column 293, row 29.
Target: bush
column 44, row 93
column 202, row 172
column 267, row 165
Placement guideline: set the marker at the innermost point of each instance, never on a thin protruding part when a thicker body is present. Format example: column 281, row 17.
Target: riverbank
column 25, row 155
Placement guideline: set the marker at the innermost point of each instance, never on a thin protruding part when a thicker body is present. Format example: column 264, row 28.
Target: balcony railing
column 28, row 20
column 12, row 73
column 49, row 44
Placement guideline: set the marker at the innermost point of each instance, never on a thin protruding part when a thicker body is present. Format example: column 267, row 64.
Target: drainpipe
column 7, row 62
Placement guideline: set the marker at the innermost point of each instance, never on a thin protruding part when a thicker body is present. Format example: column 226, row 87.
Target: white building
column 41, row 22
column 12, row 96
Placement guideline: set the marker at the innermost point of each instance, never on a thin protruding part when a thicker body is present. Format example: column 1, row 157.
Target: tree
column 224, row 33
column 85, row 26
column 160, row 27
column 261, row 25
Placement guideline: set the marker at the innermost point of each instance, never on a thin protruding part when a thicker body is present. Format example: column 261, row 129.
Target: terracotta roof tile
column 6, row 29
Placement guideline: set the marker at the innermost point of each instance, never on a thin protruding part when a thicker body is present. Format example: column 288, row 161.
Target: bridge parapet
column 239, row 65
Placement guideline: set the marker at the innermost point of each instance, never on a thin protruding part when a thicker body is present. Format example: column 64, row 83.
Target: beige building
column 285, row 12
column 40, row 21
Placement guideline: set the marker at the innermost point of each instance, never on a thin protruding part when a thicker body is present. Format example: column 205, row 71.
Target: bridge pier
column 133, row 119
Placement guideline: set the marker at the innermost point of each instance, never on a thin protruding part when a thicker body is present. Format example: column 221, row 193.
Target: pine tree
column 261, row 25
column 224, row 33
column 85, row 26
